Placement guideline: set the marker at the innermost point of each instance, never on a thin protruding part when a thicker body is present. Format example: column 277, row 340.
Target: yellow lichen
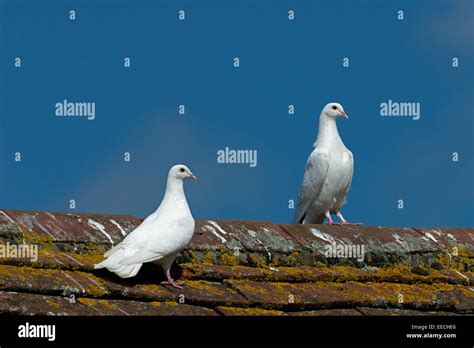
column 159, row 304
column 53, row 303
column 206, row 287
column 229, row 259
column 87, row 301
column 32, row 237
column 294, row 258
column 248, row 311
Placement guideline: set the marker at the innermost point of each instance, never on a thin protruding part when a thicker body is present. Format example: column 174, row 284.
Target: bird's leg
column 170, row 281
column 343, row 221
column 340, row 217
column 328, row 216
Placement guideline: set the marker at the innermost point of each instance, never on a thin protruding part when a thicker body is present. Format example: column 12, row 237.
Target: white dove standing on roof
column 328, row 173
column 160, row 237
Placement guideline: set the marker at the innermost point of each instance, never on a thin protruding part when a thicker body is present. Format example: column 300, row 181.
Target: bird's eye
column 182, row 170
column 334, row 107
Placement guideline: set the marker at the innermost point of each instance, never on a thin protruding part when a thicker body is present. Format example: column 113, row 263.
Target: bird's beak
column 343, row 114
column 192, row 176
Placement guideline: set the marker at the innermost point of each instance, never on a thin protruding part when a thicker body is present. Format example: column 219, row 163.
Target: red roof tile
column 238, row 268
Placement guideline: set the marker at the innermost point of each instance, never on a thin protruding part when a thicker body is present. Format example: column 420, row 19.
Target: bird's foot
column 173, row 283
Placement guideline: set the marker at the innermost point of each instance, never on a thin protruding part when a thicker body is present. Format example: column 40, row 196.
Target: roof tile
column 238, row 268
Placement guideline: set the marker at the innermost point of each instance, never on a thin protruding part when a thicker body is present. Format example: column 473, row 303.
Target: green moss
column 294, row 259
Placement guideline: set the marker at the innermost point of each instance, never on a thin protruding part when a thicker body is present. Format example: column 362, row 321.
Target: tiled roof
column 238, row 268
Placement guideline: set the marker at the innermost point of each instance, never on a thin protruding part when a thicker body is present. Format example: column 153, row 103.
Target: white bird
column 160, row 237
column 328, row 173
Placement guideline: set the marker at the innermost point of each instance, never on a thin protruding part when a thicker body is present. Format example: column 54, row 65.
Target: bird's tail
column 112, row 263
column 297, row 219
column 302, row 220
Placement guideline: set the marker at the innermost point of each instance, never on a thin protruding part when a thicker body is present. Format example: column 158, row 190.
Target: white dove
column 160, row 237
column 328, row 173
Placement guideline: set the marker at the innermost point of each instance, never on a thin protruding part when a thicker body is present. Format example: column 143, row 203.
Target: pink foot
column 173, row 283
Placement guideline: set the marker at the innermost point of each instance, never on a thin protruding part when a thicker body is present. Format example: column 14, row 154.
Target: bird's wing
column 313, row 181
column 145, row 246
column 161, row 242
column 141, row 256
column 350, row 175
column 139, row 236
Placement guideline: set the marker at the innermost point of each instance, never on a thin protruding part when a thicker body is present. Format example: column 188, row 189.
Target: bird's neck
column 174, row 193
column 327, row 132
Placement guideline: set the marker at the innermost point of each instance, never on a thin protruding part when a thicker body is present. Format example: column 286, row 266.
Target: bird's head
column 335, row 111
column 181, row 172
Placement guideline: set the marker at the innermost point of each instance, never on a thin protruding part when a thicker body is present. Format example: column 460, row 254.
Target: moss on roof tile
column 285, row 272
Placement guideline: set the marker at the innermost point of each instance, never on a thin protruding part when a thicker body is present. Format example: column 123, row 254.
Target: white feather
column 160, row 237
column 328, row 174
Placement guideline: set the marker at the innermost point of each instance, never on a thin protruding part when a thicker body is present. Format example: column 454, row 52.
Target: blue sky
column 282, row 62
